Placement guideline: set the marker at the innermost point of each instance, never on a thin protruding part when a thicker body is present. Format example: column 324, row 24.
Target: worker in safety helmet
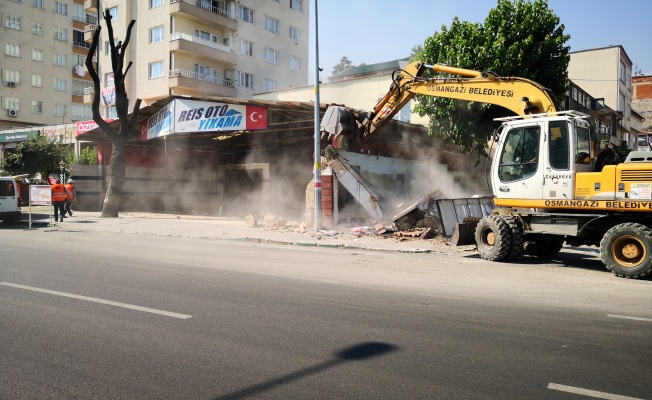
column 70, row 196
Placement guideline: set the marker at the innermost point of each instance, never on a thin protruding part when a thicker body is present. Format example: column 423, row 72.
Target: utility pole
column 317, row 133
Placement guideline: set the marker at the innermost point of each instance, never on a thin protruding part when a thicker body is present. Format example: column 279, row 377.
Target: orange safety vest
column 58, row 192
column 69, row 189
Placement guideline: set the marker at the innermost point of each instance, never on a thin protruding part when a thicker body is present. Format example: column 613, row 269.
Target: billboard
column 194, row 116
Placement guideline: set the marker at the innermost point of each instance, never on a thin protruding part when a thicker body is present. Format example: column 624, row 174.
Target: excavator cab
column 537, row 157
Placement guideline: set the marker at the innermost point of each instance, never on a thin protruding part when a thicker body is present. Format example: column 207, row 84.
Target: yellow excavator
column 547, row 187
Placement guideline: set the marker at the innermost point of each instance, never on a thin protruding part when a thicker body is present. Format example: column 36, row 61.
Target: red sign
column 85, row 126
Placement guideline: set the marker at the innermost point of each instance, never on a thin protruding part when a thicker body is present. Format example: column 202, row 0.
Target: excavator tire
column 493, row 238
column 516, row 251
column 544, row 247
column 626, row 250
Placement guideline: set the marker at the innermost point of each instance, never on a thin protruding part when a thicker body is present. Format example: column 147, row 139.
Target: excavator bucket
column 337, row 121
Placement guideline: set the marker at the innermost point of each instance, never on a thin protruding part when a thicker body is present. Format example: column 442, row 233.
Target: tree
column 88, row 156
column 38, row 155
column 118, row 137
column 344, row 64
column 518, row 38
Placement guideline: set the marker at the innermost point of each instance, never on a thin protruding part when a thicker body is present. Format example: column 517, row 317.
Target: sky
column 373, row 31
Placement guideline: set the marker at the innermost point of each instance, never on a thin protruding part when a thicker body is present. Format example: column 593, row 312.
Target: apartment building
column 606, row 74
column 186, row 47
column 42, row 82
column 204, row 47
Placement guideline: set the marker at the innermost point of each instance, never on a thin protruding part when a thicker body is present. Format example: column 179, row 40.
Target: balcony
column 190, row 44
column 188, row 82
column 89, row 31
column 90, row 5
column 88, row 94
column 203, row 11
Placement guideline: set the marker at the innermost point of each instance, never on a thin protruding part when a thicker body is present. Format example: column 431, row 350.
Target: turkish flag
column 256, row 118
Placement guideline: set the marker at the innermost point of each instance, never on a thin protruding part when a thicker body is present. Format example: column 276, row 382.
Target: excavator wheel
column 544, row 246
column 626, row 250
column 517, row 249
column 493, row 238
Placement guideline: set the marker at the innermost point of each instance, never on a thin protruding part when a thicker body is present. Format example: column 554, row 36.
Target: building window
column 295, row 34
column 107, row 47
column 246, row 80
column 156, row 34
column 78, row 39
column 37, row 4
column 111, row 112
column 60, row 59
column 155, row 3
column 60, row 8
column 59, row 110
column 270, row 85
column 271, row 24
column 61, row 34
column 61, row 85
column 12, row 76
column 113, row 11
column 623, row 72
column 295, row 63
column 12, row 103
column 37, row 107
column 12, row 49
column 81, row 113
column 211, row 37
column 246, row 14
column 78, row 87
column 296, row 5
column 156, row 69
column 13, row 22
column 37, row 28
column 37, row 80
column 206, row 73
column 246, row 48
column 37, row 55
column 78, row 59
column 271, row 55
column 78, row 13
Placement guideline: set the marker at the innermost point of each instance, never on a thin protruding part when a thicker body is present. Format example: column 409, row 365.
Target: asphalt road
column 94, row 315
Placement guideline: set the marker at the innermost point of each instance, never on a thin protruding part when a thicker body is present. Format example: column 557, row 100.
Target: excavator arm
column 520, row 95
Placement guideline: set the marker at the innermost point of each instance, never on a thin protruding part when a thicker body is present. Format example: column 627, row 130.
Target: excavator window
column 559, row 145
column 520, row 156
column 582, row 146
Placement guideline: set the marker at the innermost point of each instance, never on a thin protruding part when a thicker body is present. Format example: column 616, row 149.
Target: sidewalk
column 209, row 227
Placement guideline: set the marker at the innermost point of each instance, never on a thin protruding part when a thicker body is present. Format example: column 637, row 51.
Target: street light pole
column 317, row 133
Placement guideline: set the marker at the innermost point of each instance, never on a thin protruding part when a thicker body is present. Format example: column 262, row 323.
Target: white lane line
column 109, row 302
column 591, row 393
column 633, row 318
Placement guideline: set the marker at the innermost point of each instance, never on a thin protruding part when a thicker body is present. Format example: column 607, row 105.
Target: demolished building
column 188, row 157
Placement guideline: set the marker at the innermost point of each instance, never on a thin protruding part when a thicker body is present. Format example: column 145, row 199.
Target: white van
column 9, row 199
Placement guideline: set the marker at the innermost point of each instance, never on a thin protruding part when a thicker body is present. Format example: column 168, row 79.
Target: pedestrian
column 58, row 200
column 70, row 196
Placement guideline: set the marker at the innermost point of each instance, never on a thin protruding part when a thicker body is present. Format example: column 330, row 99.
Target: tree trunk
column 113, row 196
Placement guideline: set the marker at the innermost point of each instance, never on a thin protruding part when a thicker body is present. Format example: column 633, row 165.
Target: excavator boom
column 519, row 95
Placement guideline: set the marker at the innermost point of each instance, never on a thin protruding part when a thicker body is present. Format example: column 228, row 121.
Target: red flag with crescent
column 256, row 117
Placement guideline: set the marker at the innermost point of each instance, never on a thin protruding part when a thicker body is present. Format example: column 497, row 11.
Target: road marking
column 591, row 393
column 109, row 302
column 626, row 317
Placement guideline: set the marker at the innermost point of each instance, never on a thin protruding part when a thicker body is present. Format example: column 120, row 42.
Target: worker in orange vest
column 70, row 196
column 59, row 194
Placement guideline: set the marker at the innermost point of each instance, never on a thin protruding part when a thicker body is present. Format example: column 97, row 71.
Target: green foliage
column 518, row 38
column 88, row 156
column 344, row 64
column 37, row 155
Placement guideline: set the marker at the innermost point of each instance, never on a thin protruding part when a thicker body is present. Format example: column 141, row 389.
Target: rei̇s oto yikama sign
column 189, row 116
